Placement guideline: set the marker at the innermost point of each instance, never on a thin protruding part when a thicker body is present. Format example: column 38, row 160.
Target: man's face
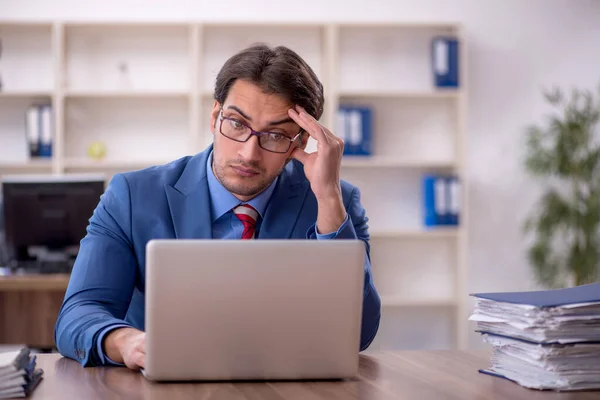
column 246, row 169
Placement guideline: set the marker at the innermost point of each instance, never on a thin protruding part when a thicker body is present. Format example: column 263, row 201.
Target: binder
column 32, row 130
column 435, row 199
column 354, row 125
column 547, row 298
column 454, row 200
column 445, row 58
column 46, row 134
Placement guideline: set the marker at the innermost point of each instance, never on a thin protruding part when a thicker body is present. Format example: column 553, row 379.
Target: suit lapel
column 189, row 200
column 285, row 204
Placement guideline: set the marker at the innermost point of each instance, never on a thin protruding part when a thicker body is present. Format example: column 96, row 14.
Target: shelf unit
column 145, row 89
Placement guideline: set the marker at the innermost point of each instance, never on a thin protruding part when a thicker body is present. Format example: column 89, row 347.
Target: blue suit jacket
column 107, row 283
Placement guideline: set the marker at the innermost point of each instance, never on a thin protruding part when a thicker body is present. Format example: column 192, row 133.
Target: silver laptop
column 253, row 309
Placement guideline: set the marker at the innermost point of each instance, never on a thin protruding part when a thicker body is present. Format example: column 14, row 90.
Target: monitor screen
column 50, row 211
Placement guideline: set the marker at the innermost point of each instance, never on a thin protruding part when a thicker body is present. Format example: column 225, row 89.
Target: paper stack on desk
column 543, row 339
column 18, row 374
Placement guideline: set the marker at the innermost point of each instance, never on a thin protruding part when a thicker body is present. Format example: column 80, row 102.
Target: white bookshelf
column 145, row 90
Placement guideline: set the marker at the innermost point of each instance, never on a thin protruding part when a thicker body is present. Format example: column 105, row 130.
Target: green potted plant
column 564, row 154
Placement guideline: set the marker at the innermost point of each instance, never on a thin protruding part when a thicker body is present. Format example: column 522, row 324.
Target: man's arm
column 354, row 226
column 102, row 280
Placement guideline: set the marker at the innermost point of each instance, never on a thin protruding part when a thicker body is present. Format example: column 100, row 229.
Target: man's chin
column 244, row 189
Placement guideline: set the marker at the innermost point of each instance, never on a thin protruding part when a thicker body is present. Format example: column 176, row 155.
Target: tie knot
column 248, row 215
column 246, row 212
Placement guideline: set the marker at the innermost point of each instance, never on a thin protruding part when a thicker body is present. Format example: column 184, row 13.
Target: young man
column 255, row 181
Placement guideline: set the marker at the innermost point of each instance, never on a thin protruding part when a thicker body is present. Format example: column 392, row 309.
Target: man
column 255, row 181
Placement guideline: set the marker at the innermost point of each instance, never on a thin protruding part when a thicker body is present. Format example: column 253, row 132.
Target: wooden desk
column 29, row 305
column 393, row 375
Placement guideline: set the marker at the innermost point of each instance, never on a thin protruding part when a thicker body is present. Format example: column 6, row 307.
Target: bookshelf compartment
column 385, row 58
column 133, row 130
column 414, row 329
column 221, row 42
column 392, row 197
column 14, row 149
column 411, row 130
column 127, row 58
column 26, row 60
column 413, row 270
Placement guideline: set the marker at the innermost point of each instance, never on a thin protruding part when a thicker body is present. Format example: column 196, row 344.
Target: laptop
column 228, row 310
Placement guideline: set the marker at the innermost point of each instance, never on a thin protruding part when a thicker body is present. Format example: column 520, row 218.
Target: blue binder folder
column 445, row 61
column 435, row 204
column 548, row 298
column 355, row 128
column 441, row 200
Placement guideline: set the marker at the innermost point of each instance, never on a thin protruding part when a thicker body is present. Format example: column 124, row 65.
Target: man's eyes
column 237, row 124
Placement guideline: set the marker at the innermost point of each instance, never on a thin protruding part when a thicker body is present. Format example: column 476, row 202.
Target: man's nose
column 250, row 150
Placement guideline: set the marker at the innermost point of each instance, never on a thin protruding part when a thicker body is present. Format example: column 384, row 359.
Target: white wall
column 516, row 47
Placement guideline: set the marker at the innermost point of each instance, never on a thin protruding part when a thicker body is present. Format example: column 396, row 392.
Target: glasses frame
column 257, row 134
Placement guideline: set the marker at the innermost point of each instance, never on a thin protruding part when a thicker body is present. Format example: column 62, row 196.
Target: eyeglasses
column 274, row 142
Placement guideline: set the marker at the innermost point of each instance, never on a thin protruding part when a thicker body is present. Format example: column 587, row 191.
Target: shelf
column 26, row 165
column 401, row 94
column 101, row 94
column 144, row 89
column 424, row 233
column 92, row 165
column 397, row 301
column 389, row 162
column 402, row 25
column 24, row 94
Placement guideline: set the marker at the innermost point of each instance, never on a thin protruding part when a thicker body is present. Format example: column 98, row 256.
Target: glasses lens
column 275, row 142
column 234, row 129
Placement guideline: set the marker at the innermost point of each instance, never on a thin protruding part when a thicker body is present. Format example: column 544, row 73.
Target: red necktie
column 248, row 215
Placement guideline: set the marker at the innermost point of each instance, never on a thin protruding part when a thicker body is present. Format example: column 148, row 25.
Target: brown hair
column 277, row 70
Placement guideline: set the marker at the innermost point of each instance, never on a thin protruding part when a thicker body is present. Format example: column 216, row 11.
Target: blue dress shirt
column 225, row 225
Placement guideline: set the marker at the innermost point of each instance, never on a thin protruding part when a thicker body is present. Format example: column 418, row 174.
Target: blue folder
column 445, row 61
column 548, row 298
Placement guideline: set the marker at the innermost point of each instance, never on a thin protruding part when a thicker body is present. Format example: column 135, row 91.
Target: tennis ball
column 97, row 150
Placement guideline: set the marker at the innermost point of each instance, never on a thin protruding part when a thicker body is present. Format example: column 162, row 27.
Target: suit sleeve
column 102, row 280
column 355, row 227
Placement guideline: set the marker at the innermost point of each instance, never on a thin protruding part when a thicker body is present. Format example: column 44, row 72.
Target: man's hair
column 277, row 70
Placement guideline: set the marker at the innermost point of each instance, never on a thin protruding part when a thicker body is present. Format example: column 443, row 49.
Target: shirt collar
column 222, row 201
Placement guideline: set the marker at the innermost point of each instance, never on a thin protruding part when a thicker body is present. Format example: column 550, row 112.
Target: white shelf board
column 422, row 233
column 21, row 94
column 109, row 94
column 389, row 162
column 402, row 94
column 25, row 24
column 401, row 24
column 125, row 24
column 262, row 24
column 398, row 301
column 99, row 165
column 26, row 165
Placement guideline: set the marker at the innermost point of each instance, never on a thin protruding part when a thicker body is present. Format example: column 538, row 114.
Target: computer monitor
column 47, row 214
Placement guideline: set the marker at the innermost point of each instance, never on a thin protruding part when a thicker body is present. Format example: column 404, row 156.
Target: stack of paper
column 18, row 374
column 544, row 339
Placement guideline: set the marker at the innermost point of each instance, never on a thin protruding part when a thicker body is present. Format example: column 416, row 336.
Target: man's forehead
column 250, row 96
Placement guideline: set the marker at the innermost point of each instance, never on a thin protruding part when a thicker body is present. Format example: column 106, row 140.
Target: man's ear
column 214, row 115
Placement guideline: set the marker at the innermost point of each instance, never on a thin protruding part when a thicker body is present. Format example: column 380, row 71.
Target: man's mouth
column 242, row 171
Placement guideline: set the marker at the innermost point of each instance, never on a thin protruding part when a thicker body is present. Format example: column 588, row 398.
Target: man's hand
column 322, row 169
column 127, row 346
